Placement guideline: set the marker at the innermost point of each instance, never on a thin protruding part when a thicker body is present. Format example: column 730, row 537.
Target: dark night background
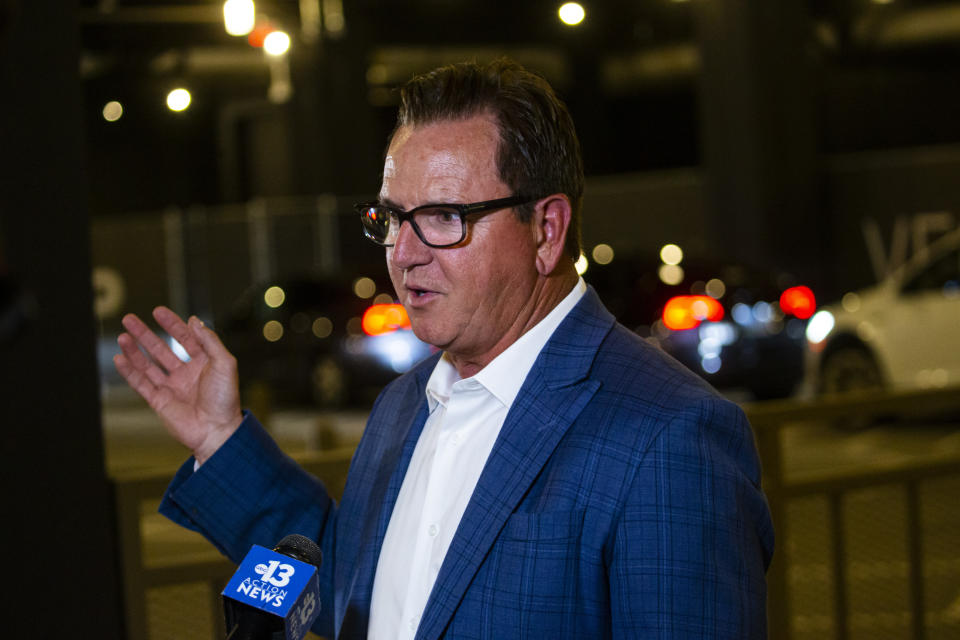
column 786, row 113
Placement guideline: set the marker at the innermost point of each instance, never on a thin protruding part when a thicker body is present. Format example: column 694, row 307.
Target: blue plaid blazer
column 621, row 500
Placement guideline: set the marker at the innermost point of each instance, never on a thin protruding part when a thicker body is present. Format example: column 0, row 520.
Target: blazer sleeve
column 694, row 538
column 250, row 492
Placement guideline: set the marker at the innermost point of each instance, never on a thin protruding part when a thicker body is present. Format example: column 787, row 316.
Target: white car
column 903, row 333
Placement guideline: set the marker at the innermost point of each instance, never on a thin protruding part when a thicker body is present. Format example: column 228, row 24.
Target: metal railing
column 140, row 575
column 770, row 418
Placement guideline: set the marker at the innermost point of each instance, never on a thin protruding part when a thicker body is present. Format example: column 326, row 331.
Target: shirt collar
column 505, row 374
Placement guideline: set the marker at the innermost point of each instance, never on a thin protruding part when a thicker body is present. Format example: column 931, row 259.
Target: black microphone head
column 300, row 548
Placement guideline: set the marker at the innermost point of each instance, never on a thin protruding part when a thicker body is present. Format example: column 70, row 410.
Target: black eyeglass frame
column 461, row 209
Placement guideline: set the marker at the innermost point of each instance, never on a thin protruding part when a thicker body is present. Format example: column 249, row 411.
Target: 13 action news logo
column 274, row 575
column 278, row 585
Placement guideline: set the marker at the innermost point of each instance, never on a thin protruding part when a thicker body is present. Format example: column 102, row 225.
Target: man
column 548, row 475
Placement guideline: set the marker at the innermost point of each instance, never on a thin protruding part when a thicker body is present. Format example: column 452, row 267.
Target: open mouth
column 417, row 290
column 419, row 294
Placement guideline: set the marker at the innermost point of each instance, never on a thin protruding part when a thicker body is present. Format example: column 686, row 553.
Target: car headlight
column 820, row 326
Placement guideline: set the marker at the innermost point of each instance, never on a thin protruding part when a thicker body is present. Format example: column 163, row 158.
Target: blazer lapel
column 381, row 474
column 553, row 395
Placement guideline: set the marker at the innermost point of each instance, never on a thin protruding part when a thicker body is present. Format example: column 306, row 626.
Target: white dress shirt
column 466, row 416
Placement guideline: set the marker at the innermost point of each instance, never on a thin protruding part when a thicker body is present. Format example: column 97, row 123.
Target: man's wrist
column 215, row 439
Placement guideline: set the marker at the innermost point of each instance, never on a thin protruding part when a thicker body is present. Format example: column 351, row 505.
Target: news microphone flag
column 271, row 595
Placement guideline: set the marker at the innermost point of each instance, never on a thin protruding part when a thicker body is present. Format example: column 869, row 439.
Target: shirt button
column 455, row 439
column 433, row 530
column 413, row 624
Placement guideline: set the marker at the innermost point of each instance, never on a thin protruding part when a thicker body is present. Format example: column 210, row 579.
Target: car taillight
column 384, row 318
column 798, row 301
column 687, row 312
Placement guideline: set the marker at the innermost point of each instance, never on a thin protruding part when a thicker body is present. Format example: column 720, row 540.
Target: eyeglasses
column 437, row 225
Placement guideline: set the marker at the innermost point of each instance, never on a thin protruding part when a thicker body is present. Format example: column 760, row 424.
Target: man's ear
column 552, row 220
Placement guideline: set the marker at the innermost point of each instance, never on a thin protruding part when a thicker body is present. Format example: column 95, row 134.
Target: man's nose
column 408, row 249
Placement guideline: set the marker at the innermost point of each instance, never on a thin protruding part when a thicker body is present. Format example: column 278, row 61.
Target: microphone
column 274, row 594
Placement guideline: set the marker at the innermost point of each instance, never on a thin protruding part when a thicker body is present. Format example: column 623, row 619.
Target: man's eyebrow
column 393, row 205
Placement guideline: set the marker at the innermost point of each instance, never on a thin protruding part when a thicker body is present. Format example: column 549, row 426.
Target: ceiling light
column 239, row 17
column 571, row 13
column 178, row 99
column 276, row 43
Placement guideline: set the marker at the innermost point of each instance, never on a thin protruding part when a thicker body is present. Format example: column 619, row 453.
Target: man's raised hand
column 199, row 400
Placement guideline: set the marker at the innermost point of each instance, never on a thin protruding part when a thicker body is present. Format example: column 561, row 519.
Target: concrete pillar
column 758, row 133
column 333, row 122
column 59, row 551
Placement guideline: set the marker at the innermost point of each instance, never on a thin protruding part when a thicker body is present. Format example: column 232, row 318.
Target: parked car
column 902, row 333
column 329, row 341
column 737, row 327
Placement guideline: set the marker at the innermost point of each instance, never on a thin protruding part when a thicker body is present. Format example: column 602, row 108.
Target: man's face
column 468, row 299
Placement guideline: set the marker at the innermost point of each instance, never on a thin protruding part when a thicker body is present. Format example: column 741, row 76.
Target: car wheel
column 329, row 383
column 850, row 369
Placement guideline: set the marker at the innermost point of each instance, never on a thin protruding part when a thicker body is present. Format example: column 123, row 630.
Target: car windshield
column 943, row 274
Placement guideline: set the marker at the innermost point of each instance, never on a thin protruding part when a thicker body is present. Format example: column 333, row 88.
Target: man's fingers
column 177, row 328
column 135, row 377
column 156, row 396
column 221, row 359
column 157, row 348
column 138, row 362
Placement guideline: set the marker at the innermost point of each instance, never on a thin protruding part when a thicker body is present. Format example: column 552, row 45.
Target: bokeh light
column 820, row 326
column 850, row 302
column 671, row 254
column 272, row 331
column 799, row 301
column 276, row 43
column 670, row 274
column 602, row 254
column 239, row 17
column 322, row 327
column 364, row 287
column 571, row 13
column 178, row 99
column 715, row 288
column 112, row 111
column 581, row 264
column 384, row 318
column 274, row 297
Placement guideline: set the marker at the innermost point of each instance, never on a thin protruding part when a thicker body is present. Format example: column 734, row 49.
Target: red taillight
column 798, row 301
column 687, row 312
column 384, row 318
